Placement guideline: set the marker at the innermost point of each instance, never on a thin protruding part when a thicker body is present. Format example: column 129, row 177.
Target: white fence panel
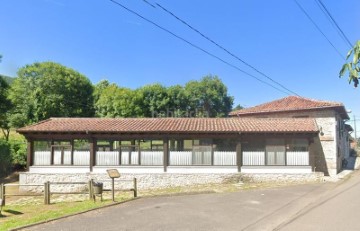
column 224, row 158
column 67, row 157
column 107, row 158
column 297, row 158
column 57, row 157
column 42, row 157
column 152, row 158
column 81, row 157
column 180, row 158
column 201, row 158
column 253, row 158
column 134, row 156
column 124, row 157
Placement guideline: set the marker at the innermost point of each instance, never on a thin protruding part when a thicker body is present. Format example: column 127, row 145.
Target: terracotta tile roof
column 291, row 103
column 172, row 125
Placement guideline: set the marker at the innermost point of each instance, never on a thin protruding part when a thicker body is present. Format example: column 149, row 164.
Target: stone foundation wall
column 161, row 180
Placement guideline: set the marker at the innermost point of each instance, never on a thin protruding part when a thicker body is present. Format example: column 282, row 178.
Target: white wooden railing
column 81, row 157
column 184, row 158
column 297, row 158
column 292, row 158
column 253, row 158
column 180, row 158
column 127, row 155
column 224, row 158
column 152, row 157
column 44, row 158
column 107, row 157
column 201, row 158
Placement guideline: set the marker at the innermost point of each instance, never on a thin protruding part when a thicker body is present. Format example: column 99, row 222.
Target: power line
column 195, row 46
column 318, row 28
column 333, row 22
column 223, row 48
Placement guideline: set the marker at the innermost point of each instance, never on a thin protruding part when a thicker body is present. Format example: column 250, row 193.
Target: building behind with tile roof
column 333, row 140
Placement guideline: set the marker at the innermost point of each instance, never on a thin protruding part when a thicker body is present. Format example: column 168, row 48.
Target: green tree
column 178, row 101
column 154, row 100
column 208, row 97
column 99, row 88
column 113, row 101
column 5, row 107
column 353, row 67
column 48, row 89
column 5, row 158
column 238, row 107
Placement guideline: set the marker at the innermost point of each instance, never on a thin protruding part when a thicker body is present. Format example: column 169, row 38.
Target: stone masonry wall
column 160, row 180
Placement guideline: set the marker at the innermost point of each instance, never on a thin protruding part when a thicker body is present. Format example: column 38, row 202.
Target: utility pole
column 355, row 131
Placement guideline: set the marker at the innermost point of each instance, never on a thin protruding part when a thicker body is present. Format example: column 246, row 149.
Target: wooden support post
column 135, row 187
column 139, row 153
column 72, row 152
column 2, row 194
column 62, row 155
column 30, row 154
column 113, row 189
column 212, row 154
column 52, row 153
column 166, row 154
column 91, row 192
column 47, row 193
column 92, row 153
column 238, row 156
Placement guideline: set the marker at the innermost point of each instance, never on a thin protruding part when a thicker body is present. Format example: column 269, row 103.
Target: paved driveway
column 246, row 210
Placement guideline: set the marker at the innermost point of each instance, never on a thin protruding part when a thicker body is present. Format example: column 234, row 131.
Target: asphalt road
column 326, row 206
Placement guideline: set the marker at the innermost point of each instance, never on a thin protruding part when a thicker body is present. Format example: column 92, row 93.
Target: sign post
column 113, row 173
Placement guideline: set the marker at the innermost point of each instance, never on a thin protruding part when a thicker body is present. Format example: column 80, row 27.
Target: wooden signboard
column 113, row 173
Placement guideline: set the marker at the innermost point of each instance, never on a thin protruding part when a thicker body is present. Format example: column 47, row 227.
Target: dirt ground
column 14, row 179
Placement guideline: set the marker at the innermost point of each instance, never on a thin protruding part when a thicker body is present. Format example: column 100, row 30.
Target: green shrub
column 5, row 158
column 18, row 154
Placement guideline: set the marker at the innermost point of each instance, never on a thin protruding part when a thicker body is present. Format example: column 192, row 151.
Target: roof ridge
column 289, row 103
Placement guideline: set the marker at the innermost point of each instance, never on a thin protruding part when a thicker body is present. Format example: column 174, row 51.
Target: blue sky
column 104, row 41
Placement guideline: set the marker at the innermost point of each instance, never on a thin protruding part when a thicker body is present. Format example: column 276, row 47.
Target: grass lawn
column 17, row 215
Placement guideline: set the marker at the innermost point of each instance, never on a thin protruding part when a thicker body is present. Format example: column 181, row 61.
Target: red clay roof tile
column 291, row 103
column 173, row 125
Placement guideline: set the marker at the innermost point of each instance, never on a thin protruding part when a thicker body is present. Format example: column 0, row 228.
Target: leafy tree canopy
column 209, row 97
column 113, row 101
column 353, row 67
column 48, row 89
column 5, row 107
column 238, row 107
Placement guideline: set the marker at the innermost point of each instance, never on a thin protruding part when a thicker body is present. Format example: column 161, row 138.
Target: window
column 224, row 145
column 298, row 145
column 275, row 152
column 254, row 146
column 42, row 146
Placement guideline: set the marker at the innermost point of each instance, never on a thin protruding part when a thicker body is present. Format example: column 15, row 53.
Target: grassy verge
column 21, row 214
